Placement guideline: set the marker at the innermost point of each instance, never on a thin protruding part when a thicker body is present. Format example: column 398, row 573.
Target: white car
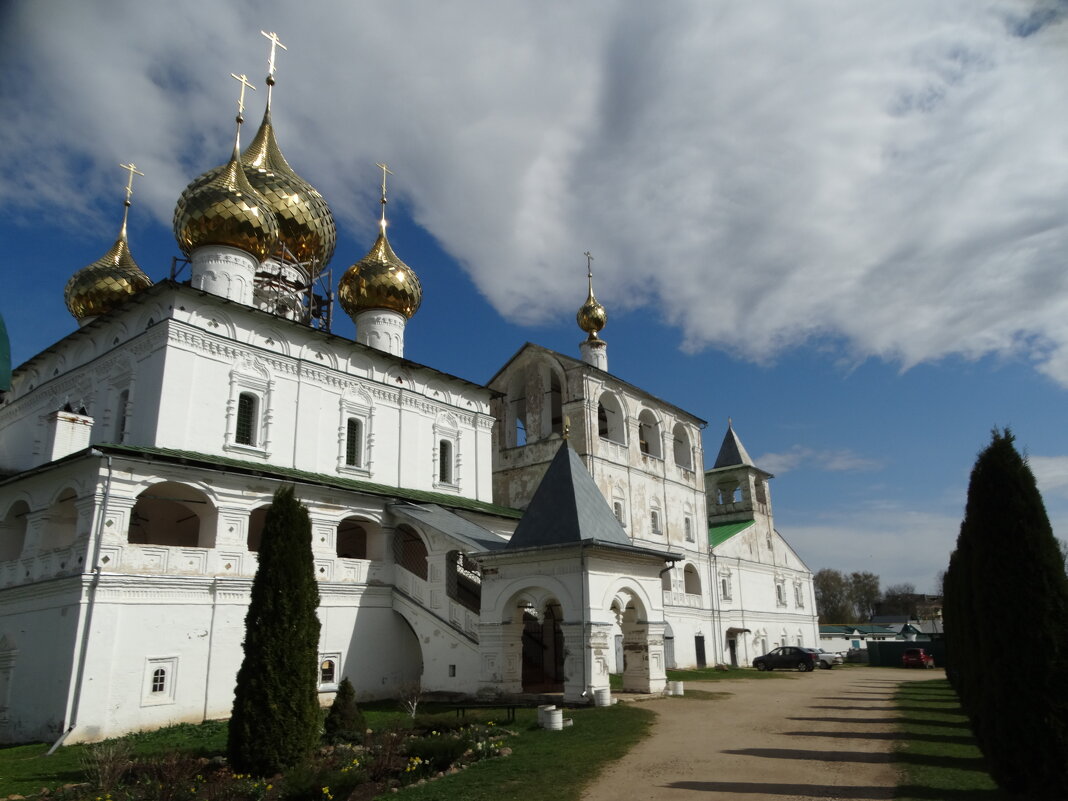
column 827, row 659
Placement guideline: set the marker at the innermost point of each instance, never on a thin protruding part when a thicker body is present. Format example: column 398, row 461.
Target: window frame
column 162, row 671
column 260, row 386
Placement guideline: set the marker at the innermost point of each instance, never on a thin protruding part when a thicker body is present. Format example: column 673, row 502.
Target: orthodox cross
column 243, row 80
column 589, row 263
column 132, row 169
column 385, row 171
column 275, row 43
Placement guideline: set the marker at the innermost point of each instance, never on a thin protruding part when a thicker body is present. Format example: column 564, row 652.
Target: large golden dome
column 305, row 225
column 106, row 283
column 221, row 208
column 380, row 280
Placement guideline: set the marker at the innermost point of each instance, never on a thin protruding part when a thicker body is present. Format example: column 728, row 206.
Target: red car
column 917, row 657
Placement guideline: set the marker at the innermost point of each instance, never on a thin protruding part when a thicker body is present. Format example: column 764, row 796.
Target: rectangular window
column 654, row 521
column 725, row 588
column 780, row 594
column 689, row 529
column 445, row 462
column 354, row 443
column 245, row 430
column 120, row 416
column 617, row 509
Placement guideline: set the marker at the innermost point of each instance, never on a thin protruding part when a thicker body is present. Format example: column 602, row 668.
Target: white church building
column 532, row 534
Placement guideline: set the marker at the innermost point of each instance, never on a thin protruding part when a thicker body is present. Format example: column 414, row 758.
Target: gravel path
column 826, row 734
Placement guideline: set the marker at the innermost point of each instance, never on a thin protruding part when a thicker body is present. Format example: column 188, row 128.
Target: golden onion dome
column 306, row 228
column 106, row 283
column 380, row 280
column 221, row 208
column 591, row 316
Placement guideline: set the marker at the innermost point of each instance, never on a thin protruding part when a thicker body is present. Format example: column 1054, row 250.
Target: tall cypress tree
column 1006, row 577
column 275, row 720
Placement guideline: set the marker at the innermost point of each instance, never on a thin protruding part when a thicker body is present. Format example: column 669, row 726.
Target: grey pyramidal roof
column 732, row 452
column 567, row 508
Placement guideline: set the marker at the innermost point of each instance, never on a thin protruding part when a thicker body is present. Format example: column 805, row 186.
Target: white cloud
column 897, row 544
column 1051, row 474
column 834, row 461
column 890, row 177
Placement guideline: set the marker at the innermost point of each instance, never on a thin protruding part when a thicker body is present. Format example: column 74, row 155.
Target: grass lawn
column 547, row 765
column 598, row 736
column 938, row 755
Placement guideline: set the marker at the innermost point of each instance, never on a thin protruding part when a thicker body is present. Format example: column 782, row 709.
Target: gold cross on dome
column 385, row 171
column 275, row 43
column 589, row 263
column 243, row 80
column 132, row 169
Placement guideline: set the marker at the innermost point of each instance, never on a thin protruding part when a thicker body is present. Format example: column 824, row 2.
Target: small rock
column 505, row 752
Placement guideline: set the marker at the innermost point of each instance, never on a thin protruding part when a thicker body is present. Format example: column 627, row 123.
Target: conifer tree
column 275, row 720
column 344, row 723
column 1006, row 577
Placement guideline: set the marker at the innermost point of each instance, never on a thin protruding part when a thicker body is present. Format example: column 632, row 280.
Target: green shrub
column 344, row 722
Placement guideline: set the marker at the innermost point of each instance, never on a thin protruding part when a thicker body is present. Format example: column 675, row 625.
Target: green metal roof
column 323, row 479
column 717, row 535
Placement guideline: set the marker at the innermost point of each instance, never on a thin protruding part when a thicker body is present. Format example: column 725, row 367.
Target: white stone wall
column 184, row 358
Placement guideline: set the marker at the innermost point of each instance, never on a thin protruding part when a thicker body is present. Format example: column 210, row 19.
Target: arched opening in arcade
column 173, row 514
column 543, row 648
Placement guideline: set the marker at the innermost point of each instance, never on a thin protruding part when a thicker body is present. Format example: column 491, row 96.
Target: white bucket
column 554, row 719
column 543, row 714
column 675, row 688
column 602, row 697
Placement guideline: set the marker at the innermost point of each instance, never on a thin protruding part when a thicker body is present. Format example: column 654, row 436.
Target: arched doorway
column 543, row 649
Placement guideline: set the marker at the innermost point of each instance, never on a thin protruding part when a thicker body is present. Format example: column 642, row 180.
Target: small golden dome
column 591, row 315
column 106, row 283
column 306, row 227
column 221, row 208
column 380, row 280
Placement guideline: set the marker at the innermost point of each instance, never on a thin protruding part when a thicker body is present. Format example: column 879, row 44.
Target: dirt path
column 826, row 734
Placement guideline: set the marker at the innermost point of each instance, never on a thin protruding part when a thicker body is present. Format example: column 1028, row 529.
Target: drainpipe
column 74, row 695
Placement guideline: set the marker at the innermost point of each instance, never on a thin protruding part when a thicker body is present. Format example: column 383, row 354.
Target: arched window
column 692, row 580
column 654, row 522
column 649, row 434
column 683, row 452
column 610, row 420
column 556, row 405
column 327, row 671
column 245, row 428
column 445, row 462
column 354, row 443
column 159, row 680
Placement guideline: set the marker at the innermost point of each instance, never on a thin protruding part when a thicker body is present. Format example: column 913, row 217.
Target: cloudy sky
column 845, row 225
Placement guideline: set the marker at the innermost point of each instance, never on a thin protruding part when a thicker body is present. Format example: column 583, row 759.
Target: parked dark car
column 917, row 657
column 789, row 657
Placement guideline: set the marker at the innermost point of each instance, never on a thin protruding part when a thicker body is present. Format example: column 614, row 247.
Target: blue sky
column 841, row 225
